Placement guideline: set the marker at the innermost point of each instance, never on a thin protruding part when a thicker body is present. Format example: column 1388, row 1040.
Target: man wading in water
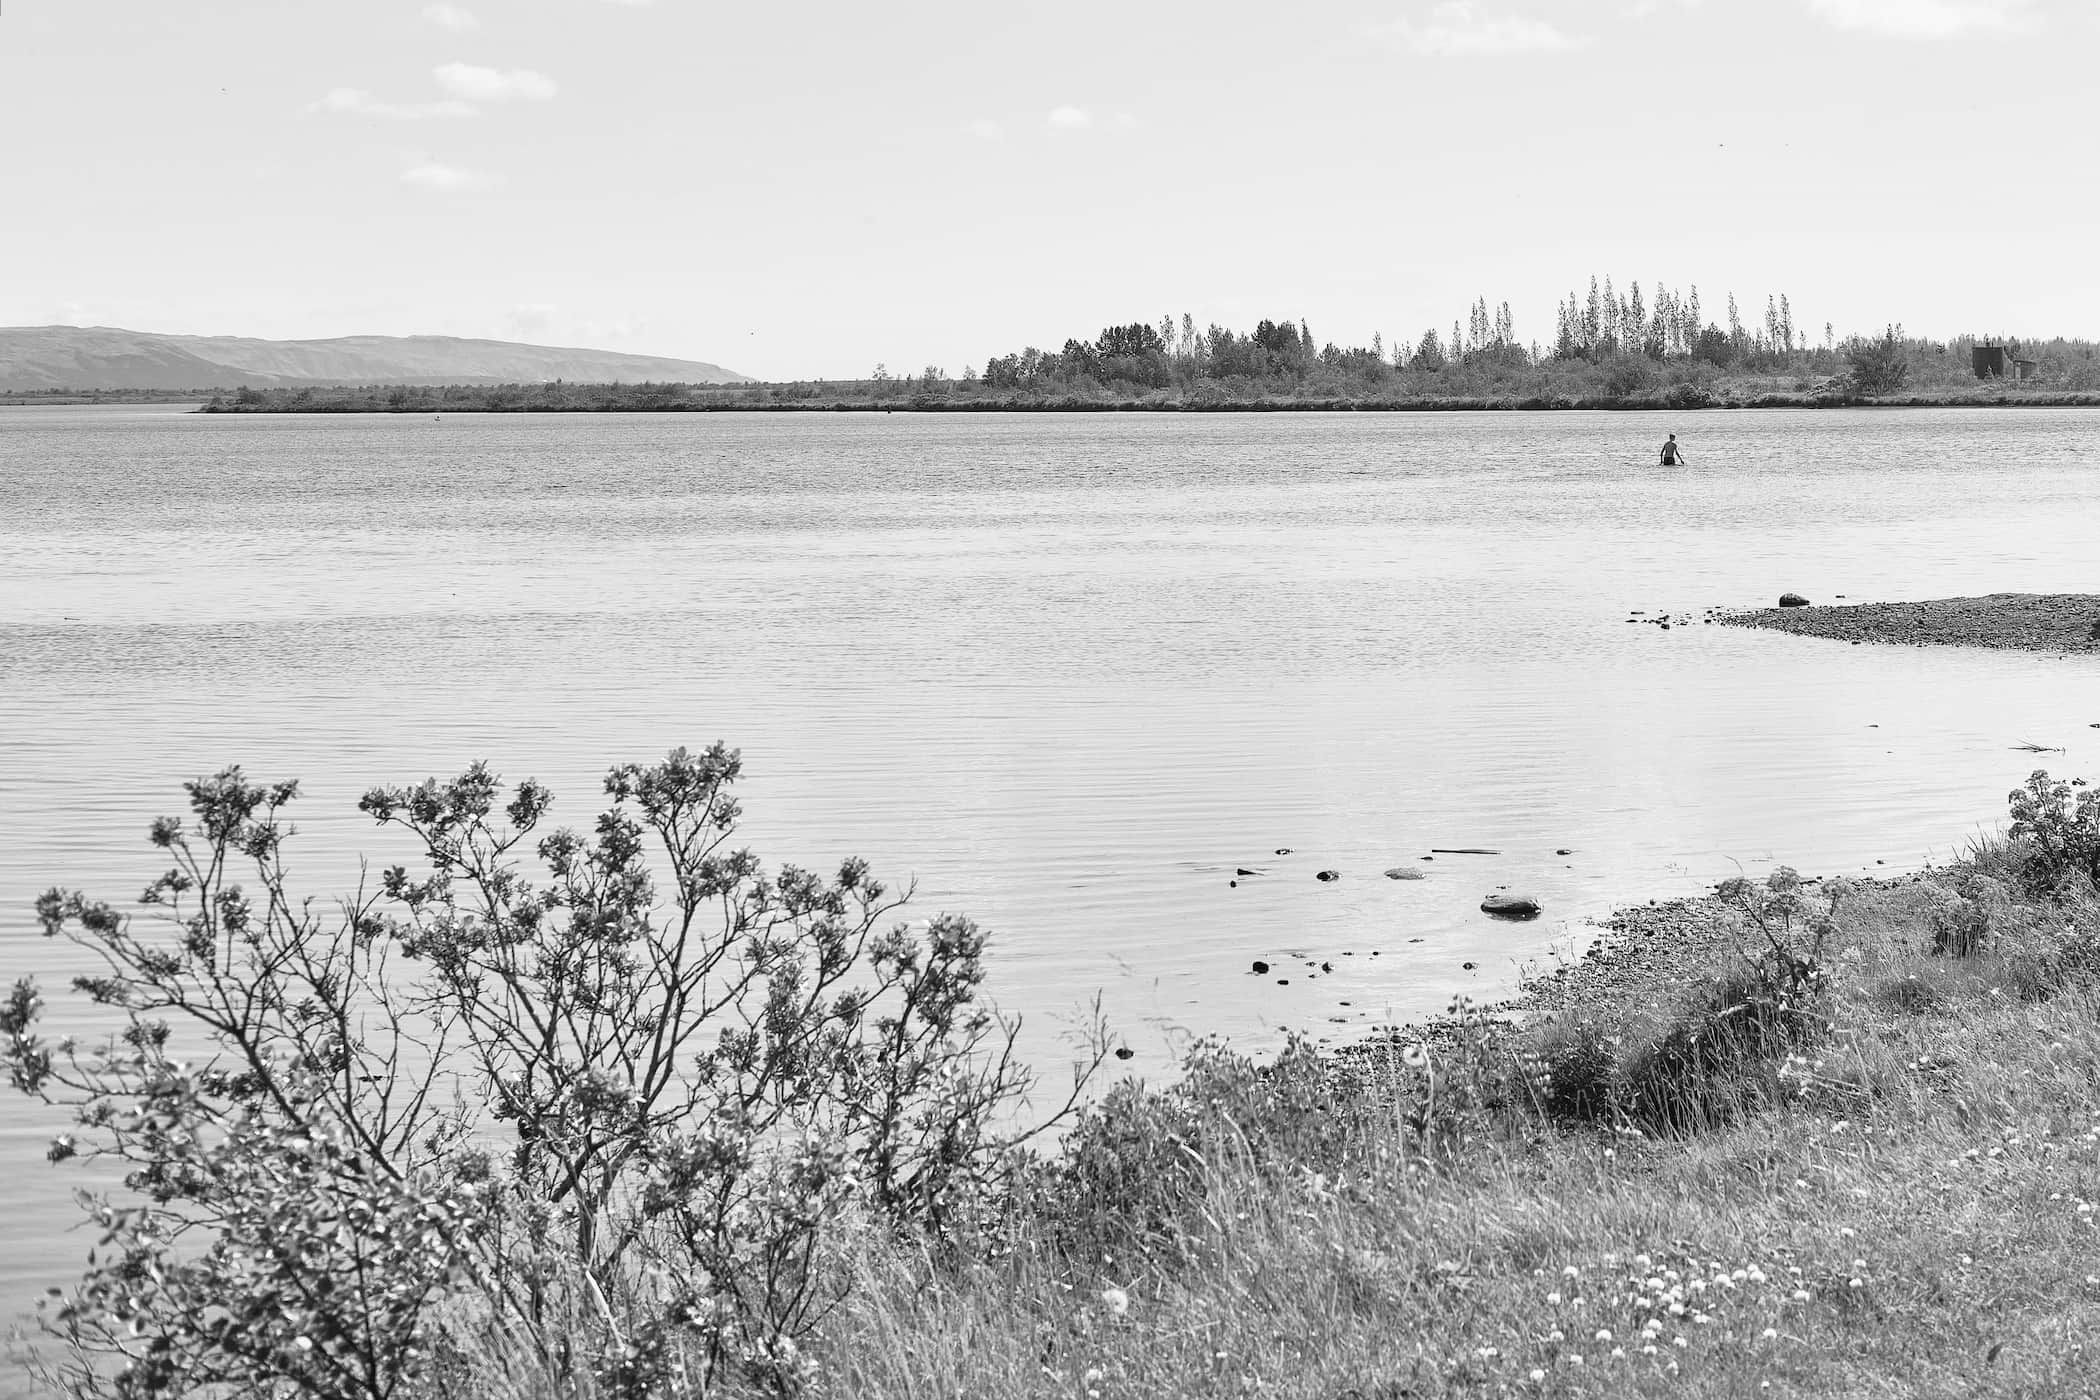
column 1673, row 455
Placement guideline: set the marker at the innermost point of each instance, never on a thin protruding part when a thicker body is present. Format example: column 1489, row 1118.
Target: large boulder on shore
column 1792, row 600
column 1510, row 906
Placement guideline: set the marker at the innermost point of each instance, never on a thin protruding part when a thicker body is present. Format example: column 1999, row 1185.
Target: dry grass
column 1918, row 1219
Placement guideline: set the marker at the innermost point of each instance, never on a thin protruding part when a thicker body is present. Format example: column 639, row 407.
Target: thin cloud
column 1926, row 19
column 987, row 130
column 453, row 17
column 1456, row 29
column 446, row 179
column 358, row 102
column 478, row 84
column 1071, row 118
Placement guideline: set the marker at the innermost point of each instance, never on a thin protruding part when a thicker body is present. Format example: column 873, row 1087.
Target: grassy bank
column 1794, row 1138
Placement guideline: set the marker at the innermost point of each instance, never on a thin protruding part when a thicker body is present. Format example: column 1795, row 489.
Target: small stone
column 1283, row 981
column 1562, row 851
column 1326, row 967
column 1328, row 876
column 1792, row 600
column 1260, row 966
column 1467, row 966
column 1283, row 850
column 1402, row 872
column 1124, row 1052
column 1510, row 906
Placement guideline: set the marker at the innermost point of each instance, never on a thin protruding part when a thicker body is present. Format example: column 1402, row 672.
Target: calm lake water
column 1067, row 672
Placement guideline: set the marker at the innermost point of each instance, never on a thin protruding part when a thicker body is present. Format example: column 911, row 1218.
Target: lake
column 1069, row 673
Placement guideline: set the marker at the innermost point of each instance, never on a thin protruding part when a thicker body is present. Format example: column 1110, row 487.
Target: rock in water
column 1510, row 906
column 1402, row 872
column 1260, row 966
column 1328, row 875
column 1792, row 600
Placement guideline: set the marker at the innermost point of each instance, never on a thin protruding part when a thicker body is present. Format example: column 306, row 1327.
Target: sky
column 808, row 190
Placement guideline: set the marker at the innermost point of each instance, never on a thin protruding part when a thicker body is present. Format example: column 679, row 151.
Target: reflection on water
column 1070, row 673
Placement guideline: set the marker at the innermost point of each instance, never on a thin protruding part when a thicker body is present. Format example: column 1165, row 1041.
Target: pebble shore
column 2045, row 622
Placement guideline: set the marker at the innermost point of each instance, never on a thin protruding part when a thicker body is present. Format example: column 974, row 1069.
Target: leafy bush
column 1627, row 375
column 1963, row 918
column 1717, row 1053
column 1572, row 1068
column 2060, row 821
column 1879, row 366
column 691, row 1067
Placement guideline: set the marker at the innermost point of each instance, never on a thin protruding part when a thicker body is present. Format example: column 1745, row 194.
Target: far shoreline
column 715, row 401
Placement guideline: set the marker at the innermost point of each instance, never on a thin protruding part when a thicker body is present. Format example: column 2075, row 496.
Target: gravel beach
column 1645, row 954
column 2051, row 622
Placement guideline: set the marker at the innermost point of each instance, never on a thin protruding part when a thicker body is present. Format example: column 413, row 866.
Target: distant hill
column 102, row 357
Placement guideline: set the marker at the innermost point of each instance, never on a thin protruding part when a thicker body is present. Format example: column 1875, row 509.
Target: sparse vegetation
column 1860, row 1153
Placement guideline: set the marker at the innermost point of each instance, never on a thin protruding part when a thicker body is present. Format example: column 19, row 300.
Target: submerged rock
column 1403, row 872
column 1510, row 906
column 1328, row 875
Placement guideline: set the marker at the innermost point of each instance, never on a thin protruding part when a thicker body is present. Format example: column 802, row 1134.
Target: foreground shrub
column 686, row 1083
column 2060, row 823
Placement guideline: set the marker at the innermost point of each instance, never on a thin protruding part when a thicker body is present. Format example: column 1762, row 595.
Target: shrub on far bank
column 1879, row 366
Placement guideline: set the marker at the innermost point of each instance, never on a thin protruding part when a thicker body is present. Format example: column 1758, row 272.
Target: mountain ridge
column 34, row 358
